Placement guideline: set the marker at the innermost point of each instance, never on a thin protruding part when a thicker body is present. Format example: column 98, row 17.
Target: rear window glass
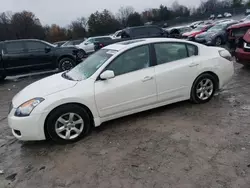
column 14, row 47
column 192, row 50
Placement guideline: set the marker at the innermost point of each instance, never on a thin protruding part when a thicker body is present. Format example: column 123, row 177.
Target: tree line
column 25, row 25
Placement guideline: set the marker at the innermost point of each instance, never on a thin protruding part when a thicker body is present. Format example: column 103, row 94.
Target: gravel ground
column 177, row 146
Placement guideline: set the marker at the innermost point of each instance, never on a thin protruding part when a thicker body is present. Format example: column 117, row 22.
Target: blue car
column 216, row 35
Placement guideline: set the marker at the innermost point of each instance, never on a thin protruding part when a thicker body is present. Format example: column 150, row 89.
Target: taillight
column 225, row 54
column 101, row 45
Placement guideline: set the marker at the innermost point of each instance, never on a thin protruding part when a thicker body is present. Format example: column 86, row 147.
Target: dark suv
column 24, row 56
column 143, row 32
column 129, row 33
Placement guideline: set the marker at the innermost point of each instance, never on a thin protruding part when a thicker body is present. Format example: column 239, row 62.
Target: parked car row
column 226, row 15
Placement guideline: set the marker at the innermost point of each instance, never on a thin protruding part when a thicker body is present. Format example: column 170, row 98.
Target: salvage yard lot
column 177, row 146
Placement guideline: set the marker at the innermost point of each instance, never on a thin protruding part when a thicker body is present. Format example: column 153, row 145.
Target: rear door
column 155, row 32
column 14, row 57
column 176, row 69
column 40, row 55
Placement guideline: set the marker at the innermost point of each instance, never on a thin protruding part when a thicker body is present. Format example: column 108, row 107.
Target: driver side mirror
column 108, row 74
column 47, row 49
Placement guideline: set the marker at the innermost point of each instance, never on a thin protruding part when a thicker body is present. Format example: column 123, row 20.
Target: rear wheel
column 218, row 41
column 81, row 54
column 66, row 64
column 68, row 123
column 203, row 88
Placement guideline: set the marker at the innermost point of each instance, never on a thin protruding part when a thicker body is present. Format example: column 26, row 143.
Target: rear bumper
column 242, row 56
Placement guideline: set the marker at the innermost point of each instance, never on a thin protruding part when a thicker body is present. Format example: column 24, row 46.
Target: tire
column 81, row 54
column 66, row 64
column 58, row 124
column 207, row 90
column 218, row 41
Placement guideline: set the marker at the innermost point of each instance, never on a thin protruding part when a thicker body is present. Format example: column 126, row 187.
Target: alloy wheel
column 218, row 41
column 67, row 65
column 69, row 126
column 205, row 89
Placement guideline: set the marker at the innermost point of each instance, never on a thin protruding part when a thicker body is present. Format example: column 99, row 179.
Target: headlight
column 26, row 108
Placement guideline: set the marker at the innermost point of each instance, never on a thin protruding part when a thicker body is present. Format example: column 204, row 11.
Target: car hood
column 207, row 34
column 43, row 88
column 67, row 48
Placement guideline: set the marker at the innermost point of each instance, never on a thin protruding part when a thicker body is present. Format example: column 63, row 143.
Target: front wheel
column 66, row 64
column 68, row 123
column 81, row 54
column 203, row 88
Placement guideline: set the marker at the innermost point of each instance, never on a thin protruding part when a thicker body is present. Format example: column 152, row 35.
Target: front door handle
column 193, row 65
column 146, row 78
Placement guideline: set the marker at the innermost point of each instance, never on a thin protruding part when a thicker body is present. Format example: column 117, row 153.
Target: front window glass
column 131, row 60
column 199, row 28
column 90, row 65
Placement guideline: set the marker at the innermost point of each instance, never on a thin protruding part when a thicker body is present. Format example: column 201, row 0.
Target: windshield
column 218, row 27
column 90, row 65
column 49, row 44
column 68, row 43
column 199, row 28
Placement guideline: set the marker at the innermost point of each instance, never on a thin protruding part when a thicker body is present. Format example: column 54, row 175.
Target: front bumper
column 28, row 128
column 242, row 56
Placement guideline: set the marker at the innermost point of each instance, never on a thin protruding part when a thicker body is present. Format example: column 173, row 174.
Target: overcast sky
column 62, row 12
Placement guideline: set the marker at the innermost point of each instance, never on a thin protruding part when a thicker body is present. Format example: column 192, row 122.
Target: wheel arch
column 47, row 136
column 211, row 73
column 65, row 56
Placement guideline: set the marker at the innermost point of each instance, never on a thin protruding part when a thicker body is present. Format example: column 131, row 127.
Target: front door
column 133, row 86
column 176, row 69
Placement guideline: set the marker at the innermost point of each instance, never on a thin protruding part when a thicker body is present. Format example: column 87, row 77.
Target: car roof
column 20, row 40
column 124, row 45
column 239, row 25
column 99, row 37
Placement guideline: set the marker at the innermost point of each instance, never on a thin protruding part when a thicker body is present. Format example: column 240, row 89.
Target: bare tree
column 123, row 14
column 78, row 28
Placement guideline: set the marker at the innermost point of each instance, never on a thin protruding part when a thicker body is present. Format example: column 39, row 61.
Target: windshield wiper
column 66, row 76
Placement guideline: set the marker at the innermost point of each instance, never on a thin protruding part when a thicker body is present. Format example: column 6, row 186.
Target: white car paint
column 87, row 46
column 122, row 95
column 117, row 35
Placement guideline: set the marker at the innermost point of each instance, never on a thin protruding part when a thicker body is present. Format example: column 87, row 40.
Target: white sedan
column 118, row 80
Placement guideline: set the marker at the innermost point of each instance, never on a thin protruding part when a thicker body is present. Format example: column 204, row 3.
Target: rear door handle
column 146, row 78
column 193, row 65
